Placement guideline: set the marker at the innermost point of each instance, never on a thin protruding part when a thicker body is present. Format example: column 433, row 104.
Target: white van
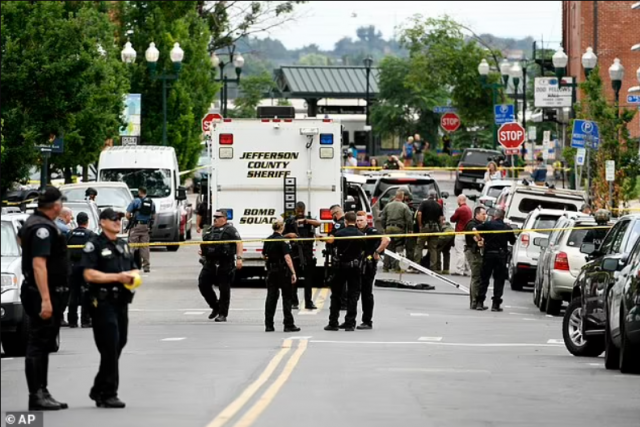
column 156, row 169
column 259, row 166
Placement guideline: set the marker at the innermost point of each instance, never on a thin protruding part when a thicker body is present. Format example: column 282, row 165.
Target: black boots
column 495, row 307
column 293, row 328
column 111, row 402
column 42, row 401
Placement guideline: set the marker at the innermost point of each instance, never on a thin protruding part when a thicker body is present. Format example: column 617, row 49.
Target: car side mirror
column 611, row 264
column 444, row 195
column 541, row 241
column 489, row 203
column 182, row 194
column 588, row 248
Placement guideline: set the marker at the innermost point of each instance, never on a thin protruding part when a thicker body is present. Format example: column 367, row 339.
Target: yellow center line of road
column 324, row 293
column 248, row 393
column 252, row 414
column 320, row 297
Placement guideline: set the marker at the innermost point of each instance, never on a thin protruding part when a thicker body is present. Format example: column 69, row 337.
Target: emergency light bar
column 309, row 131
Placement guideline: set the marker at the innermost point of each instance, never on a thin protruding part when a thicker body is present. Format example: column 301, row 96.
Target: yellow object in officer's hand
column 137, row 281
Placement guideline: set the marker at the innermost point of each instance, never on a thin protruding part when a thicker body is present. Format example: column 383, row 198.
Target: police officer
column 45, row 266
column 78, row 237
column 430, row 218
column 596, row 236
column 495, row 259
column 473, row 253
column 281, row 274
column 141, row 212
column 302, row 252
column 203, row 214
column 330, row 251
column 396, row 219
column 90, row 194
column 109, row 267
column 218, row 268
column 372, row 251
column 349, row 260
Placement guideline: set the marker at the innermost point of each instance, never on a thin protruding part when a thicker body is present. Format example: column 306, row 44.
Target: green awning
column 299, row 81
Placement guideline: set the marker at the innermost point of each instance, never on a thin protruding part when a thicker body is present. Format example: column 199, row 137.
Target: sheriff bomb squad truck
column 260, row 168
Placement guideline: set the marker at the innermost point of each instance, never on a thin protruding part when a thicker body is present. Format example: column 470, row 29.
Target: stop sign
column 450, row 122
column 208, row 120
column 511, row 135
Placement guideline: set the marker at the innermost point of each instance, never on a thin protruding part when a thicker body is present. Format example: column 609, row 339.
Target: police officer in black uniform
column 45, row 265
column 90, row 194
column 218, row 268
column 281, row 274
column 203, row 214
column 494, row 261
column 373, row 249
column 109, row 266
column 596, row 235
column 302, row 252
column 78, row 237
column 337, row 213
column 349, row 261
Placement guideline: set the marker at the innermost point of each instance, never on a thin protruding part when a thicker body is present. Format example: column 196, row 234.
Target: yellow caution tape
column 7, row 203
column 326, row 238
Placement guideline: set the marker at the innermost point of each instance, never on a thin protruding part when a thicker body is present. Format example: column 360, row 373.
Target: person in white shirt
column 492, row 173
column 351, row 162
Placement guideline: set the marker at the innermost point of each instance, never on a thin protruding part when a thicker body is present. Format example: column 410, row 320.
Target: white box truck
column 156, row 169
column 261, row 167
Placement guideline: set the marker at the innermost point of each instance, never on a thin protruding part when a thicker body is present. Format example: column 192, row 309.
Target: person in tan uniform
column 396, row 219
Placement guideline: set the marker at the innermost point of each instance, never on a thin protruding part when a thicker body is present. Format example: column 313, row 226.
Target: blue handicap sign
column 585, row 134
column 504, row 113
column 443, row 110
column 633, row 99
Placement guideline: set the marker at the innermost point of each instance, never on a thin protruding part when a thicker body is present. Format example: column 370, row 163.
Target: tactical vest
column 57, row 261
column 77, row 237
column 146, row 207
column 216, row 252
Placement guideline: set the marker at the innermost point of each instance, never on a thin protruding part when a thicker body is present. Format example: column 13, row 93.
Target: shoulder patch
column 337, row 226
column 42, row 233
column 89, row 247
column 374, row 230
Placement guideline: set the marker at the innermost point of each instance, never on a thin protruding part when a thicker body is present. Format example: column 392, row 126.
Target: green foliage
column 615, row 142
column 314, row 59
column 252, row 91
column 190, row 96
column 55, row 81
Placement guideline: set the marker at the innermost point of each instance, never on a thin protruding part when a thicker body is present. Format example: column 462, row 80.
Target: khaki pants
column 140, row 234
column 432, row 246
column 475, row 262
column 395, row 245
column 462, row 266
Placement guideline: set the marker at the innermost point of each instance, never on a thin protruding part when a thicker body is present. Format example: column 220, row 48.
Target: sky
column 326, row 22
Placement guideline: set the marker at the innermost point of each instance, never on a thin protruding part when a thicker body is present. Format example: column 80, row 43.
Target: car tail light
column 226, row 139
column 374, row 200
column 562, row 262
column 370, row 220
column 525, row 239
column 325, row 214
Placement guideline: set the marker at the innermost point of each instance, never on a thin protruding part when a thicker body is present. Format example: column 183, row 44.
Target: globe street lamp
column 616, row 74
column 151, row 55
column 238, row 62
column 560, row 61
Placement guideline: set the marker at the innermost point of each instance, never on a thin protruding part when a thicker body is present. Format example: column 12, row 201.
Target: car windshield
column 577, row 236
column 419, row 188
column 545, row 222
column 527, row 205
column 9, row 242
column 156, row 181
column 118, row 197
column 633, row 237
column 77, row 208
column 494, row 191
column 478, row 157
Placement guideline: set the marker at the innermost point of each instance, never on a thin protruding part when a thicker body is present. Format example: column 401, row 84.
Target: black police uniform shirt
column 349, row 249
column 337, row 226
column 204, row 211
column 371, row 245
column 431, row 211
column 107, row 256
column 496, row 242
column 469, row 240
column 305, row 231
column 276, row 251
column 78, row 237
column 229, row 233
column 41, row 238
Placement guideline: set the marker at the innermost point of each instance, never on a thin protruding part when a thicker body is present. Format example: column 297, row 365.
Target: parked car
column 14, row 322
column 419, row 184
column 475, row 158
column 88, row 208
column 523, row 262
column 201, row 174
column 491, row 191
column 584, row 321
column 622, row 326
column 561, row 261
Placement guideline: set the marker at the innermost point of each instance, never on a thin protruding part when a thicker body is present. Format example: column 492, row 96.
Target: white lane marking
column 438, row 371
column 432, row 339
column 298, row 338
column 550, row 316
column 434, row 343
column 529, row 320
column 174, row 339
column 419, row 315
column 555, row 341
column 516, row 307
column 194, row 313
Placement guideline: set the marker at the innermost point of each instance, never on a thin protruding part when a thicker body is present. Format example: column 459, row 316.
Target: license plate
column 479, row 180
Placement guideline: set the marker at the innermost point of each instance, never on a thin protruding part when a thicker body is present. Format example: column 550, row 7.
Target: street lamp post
column 483, row 70
column 616, row 74
column 368, row 62
column 152, row 54
column 238, row 63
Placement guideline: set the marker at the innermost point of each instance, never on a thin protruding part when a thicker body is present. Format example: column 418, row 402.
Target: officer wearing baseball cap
column 45, row 268
column 110, row 271
column 78, row 237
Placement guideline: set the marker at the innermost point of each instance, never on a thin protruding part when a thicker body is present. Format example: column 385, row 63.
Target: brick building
column 611, row 29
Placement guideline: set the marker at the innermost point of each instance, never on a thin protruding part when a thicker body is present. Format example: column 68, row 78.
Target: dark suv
column 474, row 158
column 584, row 322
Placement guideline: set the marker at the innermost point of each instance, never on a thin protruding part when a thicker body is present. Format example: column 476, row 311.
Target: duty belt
column 351, row 264
column 60, row 289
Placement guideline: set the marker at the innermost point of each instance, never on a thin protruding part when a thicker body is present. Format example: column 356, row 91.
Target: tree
column 190, row 96
column 314, row 59
column 60, row 76
column 252, row 91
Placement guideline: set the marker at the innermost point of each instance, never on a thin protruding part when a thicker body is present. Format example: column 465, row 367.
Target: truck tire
column 457, row 189
column 553, row 306
column 174, row 248
column 576, row 343
column 15, row 343
column 515, row 281
column 629, row 353
column 611, row 352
